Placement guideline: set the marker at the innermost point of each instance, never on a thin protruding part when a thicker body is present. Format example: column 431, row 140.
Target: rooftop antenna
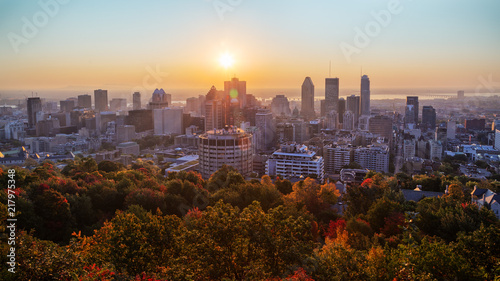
column 361, row 71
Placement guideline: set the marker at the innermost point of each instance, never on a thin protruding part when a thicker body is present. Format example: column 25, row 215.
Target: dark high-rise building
column 85, row 101
column 235, row 100
column 236, row 91
column 308, row 98
column 382, row 126
column 67, row 105
column 352, row 104
column 341, row 109
column 429, row 117
column 460, row 95
column 101, row 100
column 136, row 101
column 142, row 119
column 411, row 113
column 215, row 110
column 475, row 124
column 331, row 94
column 34, row 106
column 365, row 96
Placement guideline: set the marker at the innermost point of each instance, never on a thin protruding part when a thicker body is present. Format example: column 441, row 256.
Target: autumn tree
column 316, row 198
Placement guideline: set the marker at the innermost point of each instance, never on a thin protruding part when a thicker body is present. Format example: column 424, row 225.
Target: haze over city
column 177, row 45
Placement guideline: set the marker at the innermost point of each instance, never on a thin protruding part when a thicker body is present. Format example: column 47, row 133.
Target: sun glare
column 226, row 60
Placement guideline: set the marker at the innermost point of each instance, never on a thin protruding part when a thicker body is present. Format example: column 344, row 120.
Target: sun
column 226, row 60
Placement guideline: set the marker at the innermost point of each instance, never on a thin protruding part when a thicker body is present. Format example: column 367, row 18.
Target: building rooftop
column 127, row 144
column 229, row 133
column 416, row 194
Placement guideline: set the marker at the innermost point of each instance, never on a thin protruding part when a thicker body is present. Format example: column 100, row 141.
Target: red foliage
column 43, row 187
column 144, row 171
column 363, row 221
column 96, row 273
column 338, row 224
column 299, row 275
column 194, row 213
column 145, row 277
column 367, row 183
column 393, row 223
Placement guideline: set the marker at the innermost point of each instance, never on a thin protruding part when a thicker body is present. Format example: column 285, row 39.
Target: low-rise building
column 295, row 162
column 487, row 198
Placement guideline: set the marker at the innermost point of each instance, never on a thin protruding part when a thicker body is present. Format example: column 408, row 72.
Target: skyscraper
column 159, row 100
column 101, row 100
column 331, row 93
column 67, row 105
column 348, row 121
column 118, row 104
column 411, row 110
column 332, row 119
column 280, row 106
column 34, row 106
column 308, row 98
column 215, row 110
column 167, row 121
column 341, row 109
column 136, row 101
column 382, row 126
column 429, row 117
column 85, row 101
column 264, row 121
column 460, row 95
column 236, row 90
column 365, row 96
column 352, row 104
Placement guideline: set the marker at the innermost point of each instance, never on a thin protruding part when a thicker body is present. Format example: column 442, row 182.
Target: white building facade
column 295, row 162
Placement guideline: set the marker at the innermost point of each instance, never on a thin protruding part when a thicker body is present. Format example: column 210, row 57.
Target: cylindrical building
column 232, row 147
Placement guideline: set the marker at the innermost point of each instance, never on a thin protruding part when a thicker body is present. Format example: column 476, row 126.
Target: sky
column 141, row 45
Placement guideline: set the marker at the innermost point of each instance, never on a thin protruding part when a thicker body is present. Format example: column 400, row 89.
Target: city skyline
column 399, row 44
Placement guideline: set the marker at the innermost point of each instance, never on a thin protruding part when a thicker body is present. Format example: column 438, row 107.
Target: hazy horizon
column 180, row 95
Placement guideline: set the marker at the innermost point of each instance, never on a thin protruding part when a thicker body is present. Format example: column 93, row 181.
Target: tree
column 283, row 185
column 380, row 211
column 219, row 179
column 54, row 209
column 134, row 246
column 338, row 261
column 316, row 198
column 481, row 249
column 360, row 198
column 429, row 261
column 224, row 243
column 455, row 192
column 242, row 195
column 88, row 165
column 30, row 163
column 108, row 166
